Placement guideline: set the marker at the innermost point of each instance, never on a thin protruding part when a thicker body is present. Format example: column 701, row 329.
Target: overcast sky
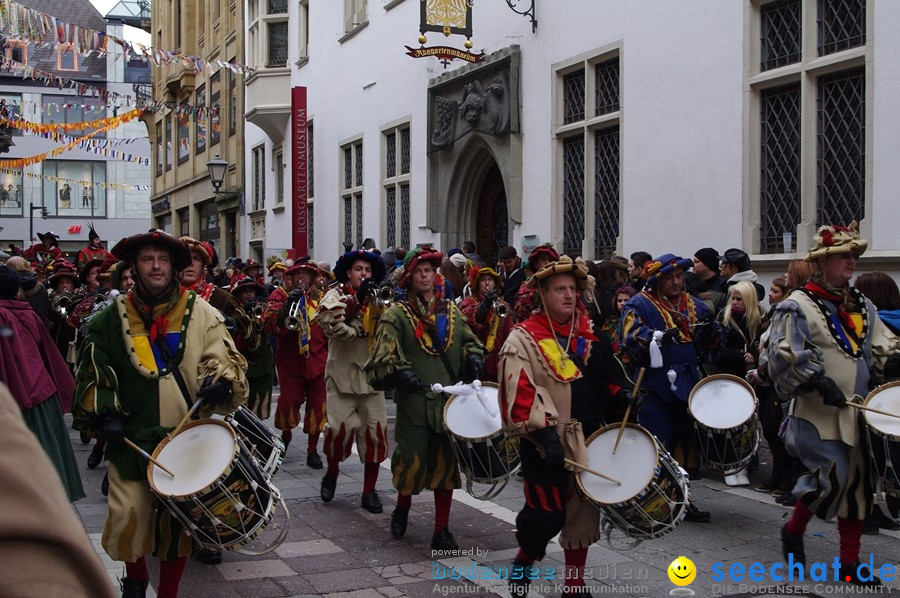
column 131, row 33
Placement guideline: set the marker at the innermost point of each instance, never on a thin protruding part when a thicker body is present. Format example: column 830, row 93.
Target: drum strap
column 441, row 354
column 173, row 367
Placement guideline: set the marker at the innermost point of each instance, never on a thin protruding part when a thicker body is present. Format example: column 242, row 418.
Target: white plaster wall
column 682, row 69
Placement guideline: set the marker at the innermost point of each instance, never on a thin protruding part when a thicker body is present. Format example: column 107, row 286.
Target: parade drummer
column 139, row 353
column 422, row 340
column 348, row 315
column 488, row 315
column 556, row 381
column 824, row 341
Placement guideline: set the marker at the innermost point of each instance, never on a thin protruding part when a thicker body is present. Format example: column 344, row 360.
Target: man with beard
column 146, row 358
column 349, row 315
column 422, row 340
column 825, row 341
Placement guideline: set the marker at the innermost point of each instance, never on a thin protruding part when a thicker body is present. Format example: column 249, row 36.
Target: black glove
column 490, row 295
column 474, row 367
column 892, row 366
column 554, row 454
column 407, row 381
column 215, row 393
column 111, row 428
column 367, row 288
column 669, row 335
column 295, row 295
column 831, row 394
column 636, row 401
column 484, row 307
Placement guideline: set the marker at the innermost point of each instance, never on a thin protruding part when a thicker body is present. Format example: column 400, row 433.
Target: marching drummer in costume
column 481, row 311
column 348, row 315
column 423, row 340
column 556, row 379
column 300, row 354
column 825, row 337
column 139, row 354
column 665, row 330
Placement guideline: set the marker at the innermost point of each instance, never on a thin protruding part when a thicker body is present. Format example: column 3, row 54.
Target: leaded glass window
column 841, row 129
column 359, row 221
column 404, row 151
column 842, row 25
column 573, row 195
column 573, row 97
column 779, row 167
column 278, row 44
column 310, row 171
column 277, row 6
column 606, row 87
column 348, row 167
column 390, row 155
column 390, row 205
column 359, row 164
column 348, row 220
column 780, row 34
column 404, row 216
column 606, row 192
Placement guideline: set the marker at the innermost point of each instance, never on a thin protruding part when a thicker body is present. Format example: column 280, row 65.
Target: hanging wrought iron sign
column 449, row 17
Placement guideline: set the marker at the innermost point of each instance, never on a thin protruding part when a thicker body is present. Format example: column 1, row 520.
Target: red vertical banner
column 300, row 173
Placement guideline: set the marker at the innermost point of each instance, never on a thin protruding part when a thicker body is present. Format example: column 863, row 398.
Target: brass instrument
column 61, row 302
column 292, row 321
column 256, row 312
column 384, row 296
column 501, row 308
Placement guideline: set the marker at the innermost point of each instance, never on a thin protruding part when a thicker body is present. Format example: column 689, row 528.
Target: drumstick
column 634, row 392
column 873, row 410
column 185, row 419
column 593, row 471
column 147, row 456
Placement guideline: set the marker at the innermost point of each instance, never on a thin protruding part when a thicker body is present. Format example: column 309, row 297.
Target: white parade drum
column 654, row 493
column 485, row 453
column 219, row 492
column 724, row 411
column 266, row 446
column 884, row 437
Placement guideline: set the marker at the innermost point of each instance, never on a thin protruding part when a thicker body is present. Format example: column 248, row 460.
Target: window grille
column 310, row 171
column 348, row 220
column 780, row 34
column 606, row 87
column 573, row 195
column 606, row 192
column 359, row 165
column 404, row 151
column 404, row 216
column 842, row 25
column 391, row 217
column 348, row 167
column 573, row 97
column 390, row 152
column 841, row 145
column 780, row 170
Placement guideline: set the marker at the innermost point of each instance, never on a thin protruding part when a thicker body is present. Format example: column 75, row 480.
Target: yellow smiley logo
column 682, row 571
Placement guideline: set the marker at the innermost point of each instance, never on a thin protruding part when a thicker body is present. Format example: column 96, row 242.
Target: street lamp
column 44, row 214
column 217, row 167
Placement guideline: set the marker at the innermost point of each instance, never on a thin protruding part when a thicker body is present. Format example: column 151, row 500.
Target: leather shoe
column 104, row 485
column 695, row 515
column 209, row 557
column 134, row 588
column 444, row 540
column 326, row 490
column 313, row 460
column 95, row 457
column 793, row 544
column 85, row 437
column 519, row 584
column 850, row 574
column 370, row 502
column 399, row 519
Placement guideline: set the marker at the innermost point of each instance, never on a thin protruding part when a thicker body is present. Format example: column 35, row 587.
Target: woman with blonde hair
column 742, row 324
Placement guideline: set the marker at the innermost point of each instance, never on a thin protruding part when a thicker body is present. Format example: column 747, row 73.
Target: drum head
column 198, row 455
column 634, row 463
column 885, row 398
column 722, row 402
column 465, row 416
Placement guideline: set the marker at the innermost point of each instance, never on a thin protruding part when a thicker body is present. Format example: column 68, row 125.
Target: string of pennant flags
column 36, row 128
column 109, row 98
column 82, row 183
column 99, row 147
column 28, row 25
column 23, row 162
column 103, row 144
